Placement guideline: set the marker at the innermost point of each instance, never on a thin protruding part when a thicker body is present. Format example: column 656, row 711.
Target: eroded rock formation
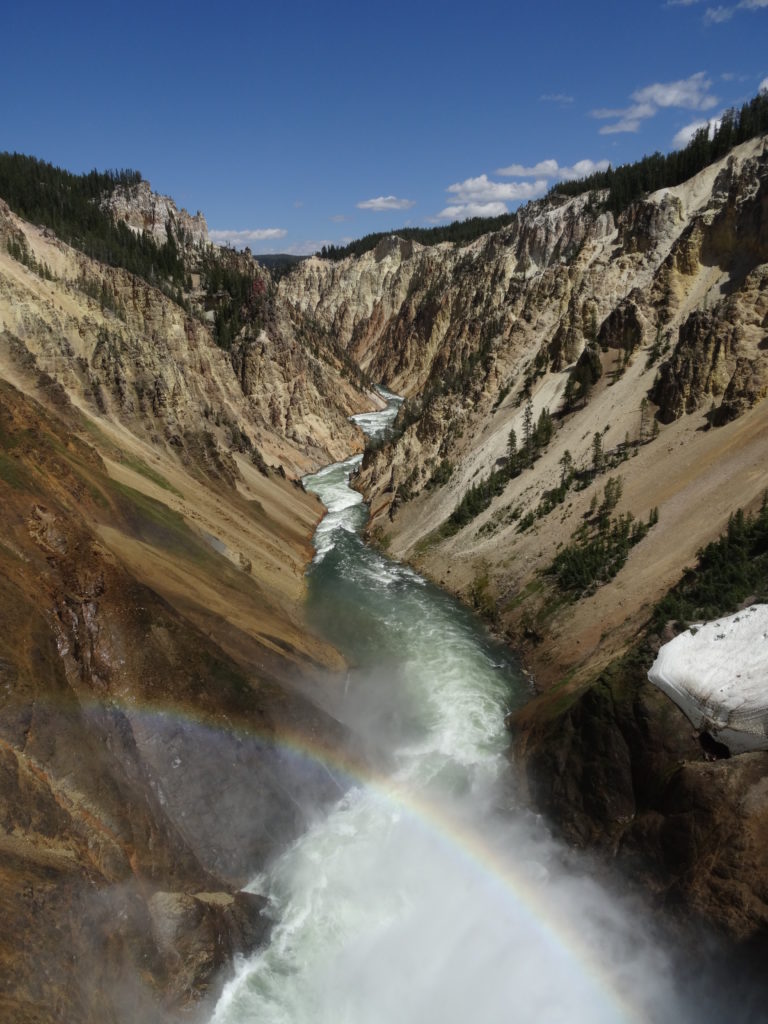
column 153, row 650
column 660, row 317
column 144, row 210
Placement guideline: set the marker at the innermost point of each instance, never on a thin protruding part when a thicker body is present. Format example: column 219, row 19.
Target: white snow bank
column 717, row 673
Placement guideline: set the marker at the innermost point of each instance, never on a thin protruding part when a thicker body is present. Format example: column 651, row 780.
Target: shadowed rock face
column 624, row 771
column 143, row 774
column 667, row 306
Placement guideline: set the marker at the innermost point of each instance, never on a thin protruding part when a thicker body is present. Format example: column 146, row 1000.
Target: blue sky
column 298, row 124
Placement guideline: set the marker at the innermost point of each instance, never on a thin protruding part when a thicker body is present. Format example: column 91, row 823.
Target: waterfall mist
column 429, row 895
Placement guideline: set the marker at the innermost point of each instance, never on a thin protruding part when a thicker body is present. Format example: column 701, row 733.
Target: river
column 427, row 895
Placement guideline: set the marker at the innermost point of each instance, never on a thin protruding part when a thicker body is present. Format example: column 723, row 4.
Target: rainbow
column 475, row 853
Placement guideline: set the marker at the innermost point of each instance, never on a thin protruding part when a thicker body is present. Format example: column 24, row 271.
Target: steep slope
column 645, row 336
column 470, row 333
column 144, row 210
column 157, row 672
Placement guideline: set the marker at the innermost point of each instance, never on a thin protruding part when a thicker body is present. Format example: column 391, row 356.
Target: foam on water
column 415, row 901
column 378, row 425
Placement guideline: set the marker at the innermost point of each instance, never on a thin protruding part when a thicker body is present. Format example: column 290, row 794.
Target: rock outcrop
column 527, row 298
column 716, row 674
column 645, row 337
column 154, row 651
column 670, row 310
column 622, row 770
column 141, row 209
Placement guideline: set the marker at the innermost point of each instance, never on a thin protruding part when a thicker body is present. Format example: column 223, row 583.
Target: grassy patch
column 12, row 473
column 150, row 474
column 531, row 588
column 154, row 523
column 379, row 539
column 106, row 445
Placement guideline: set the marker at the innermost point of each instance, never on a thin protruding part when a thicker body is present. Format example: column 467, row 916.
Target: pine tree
column 566, row 468
column 643, row 418
column 598, row 457
column 528, row 432
column 569, row 395
column 544, row 429
column 612, row 493
column 512, row 445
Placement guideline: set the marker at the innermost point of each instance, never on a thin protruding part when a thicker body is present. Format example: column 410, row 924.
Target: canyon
column 156, row 659
column 668, row 301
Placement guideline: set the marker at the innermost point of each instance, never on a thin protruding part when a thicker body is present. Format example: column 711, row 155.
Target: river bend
column 425, row 896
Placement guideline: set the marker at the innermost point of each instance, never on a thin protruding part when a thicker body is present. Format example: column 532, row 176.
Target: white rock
column 717, row 674
column 144, row 210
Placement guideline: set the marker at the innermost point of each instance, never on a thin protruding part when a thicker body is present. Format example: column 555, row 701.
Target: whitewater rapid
column 426, row 896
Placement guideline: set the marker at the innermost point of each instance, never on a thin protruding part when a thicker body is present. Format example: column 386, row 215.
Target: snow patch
column 717, row 674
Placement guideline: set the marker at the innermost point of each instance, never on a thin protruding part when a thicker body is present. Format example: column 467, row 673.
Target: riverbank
column 610, row 761
column 428, row 893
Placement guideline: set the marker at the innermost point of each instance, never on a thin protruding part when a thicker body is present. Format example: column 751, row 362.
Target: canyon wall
column 645, row 336
column 159, row 681
column 157, row 672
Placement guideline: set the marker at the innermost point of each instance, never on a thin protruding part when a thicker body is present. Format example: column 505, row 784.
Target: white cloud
column 242, row 238
column 543, row 169
column 461, row 211
column 483, row 190
column 763, row 87
column 629, row 117
column 624, row 124
column 583, row 169
column 684, row 136
column 338, row 218
column 386, row 203
column 308, row 247
column 689, row 93
column 483, row 197
column 552, row 169
column 715, row 15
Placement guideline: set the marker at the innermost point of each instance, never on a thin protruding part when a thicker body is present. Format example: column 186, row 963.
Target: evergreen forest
column 69, row 204
column 629, row 182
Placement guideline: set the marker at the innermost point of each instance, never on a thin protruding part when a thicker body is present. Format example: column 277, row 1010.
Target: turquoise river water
column 427, row 895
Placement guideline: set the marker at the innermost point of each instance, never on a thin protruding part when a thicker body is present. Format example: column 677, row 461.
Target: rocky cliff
column 155, row 664
column 157, row 673
column 670, row 300
column 645, row 337
column 144, row 210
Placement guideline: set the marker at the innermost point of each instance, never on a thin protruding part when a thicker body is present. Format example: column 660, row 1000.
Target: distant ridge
column 278, row 260
column 625, row 184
